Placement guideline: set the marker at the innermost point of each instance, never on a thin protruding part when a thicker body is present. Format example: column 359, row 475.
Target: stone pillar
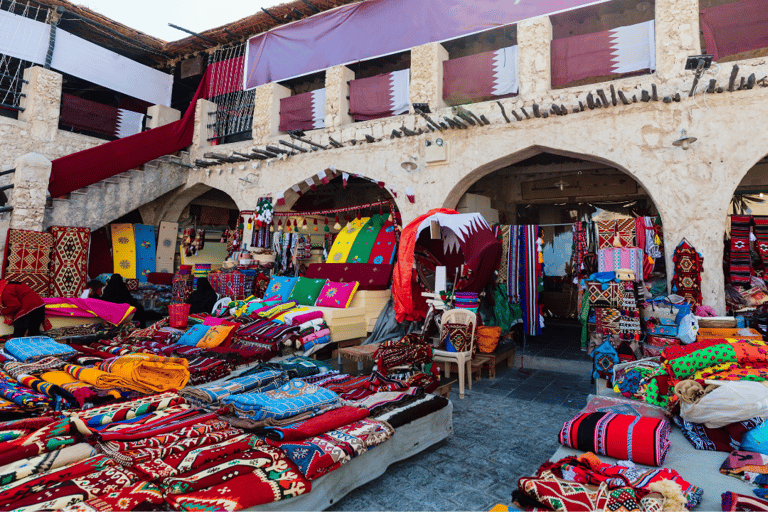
column 202, row 120
column 266, row 113
column 534, row 38
column 161, row 115
column 42, row 103
column 677, row 37
column 33, row 173
column 337, row 81
column 427, row 75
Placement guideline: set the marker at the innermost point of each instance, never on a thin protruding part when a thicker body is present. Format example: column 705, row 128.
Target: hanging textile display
column 615, row 258
column 580, row 247
column 69, row 261
column 740, row 262
column 686, row 280
column 166, row 246
column 145, row 251
column 214, row 216
column 761, row 235
column 124, row 250
column 481, row 75
column 345, row 239
column 380, row 96
column 619, row 50
column 615, row 233
column 513, row 268
column 303, row 111
column 28, row 259
column 385, row 246
column 99, row 118
column 530, row 271
column 360, row 251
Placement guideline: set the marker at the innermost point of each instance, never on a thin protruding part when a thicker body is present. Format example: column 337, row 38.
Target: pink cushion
column 212, row 320
column 336, row 295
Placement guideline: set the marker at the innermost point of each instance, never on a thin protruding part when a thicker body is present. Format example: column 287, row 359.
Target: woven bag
column 488, row 339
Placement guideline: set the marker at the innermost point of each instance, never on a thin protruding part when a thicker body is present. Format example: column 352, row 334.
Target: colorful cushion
column 307, row 290
column 215, row 336
column 337, row 295
column 281, row 287
column 193, row 336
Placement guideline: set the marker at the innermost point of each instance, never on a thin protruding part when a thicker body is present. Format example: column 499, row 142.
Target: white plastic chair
column 463, row 360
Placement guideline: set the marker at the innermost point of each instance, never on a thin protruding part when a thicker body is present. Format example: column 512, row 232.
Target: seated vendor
column 203, row 299
column 21, row 307
column 92, row 290
column 117, row 292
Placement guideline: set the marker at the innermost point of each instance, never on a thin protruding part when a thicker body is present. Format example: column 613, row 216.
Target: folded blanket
column 748, row 466
column 325, row 422
column 563, row 495
column 303, row 318
column 310, row 324
column 149, row 373
column 34, row 348
column 14, row 368
column 292, row 399
column 98, row 378
column 639, row 439
column 45, row 462
column 731, row 502
column 286, row 318
column 723, row 439
column 308, row 343
column 214, row 393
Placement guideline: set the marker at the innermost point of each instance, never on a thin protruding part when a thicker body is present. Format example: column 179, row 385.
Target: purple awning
column 379, row 27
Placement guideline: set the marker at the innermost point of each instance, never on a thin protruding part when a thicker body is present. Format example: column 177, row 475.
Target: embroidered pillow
column 307, row 290
column 281, row 287
column 215, row 336
column 194, row 334
column 337, row 295
column 457, row 338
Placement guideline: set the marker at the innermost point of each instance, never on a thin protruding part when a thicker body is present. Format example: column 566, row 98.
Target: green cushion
column 307, row 291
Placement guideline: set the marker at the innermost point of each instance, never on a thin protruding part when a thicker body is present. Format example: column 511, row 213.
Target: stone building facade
column 691, row 189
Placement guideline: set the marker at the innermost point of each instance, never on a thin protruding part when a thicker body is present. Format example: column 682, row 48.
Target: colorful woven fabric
column 128, row 410
column 614, row 258
column 615, row 233
column 580, row 247
column 294, row 398
column 325, row 422
column 724, row 439
column 45, row 462
column 530, row 271
column 34, row 348
column 345, row 239
column 69, row 261
column 214, row 393
column 14, row 369
column 124, row 250
column 740, row 263
column 146, row 252
column 385, row 246
column 409, row 350
column 682, row 362
column 732, row 502
column 369, row 275
column 641, row 440
column 686, row 280
column 39, row 283
column 748, row 466
column 149, row 373
column 30, row 253
column 360, row 252
column 336, row 295
column 563, row 495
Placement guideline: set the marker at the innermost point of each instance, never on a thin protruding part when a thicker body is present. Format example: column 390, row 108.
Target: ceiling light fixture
column 684, row 141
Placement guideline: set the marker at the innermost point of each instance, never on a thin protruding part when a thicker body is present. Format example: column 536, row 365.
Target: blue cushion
column 280, row 286
column 194, row 335
column 33, row 348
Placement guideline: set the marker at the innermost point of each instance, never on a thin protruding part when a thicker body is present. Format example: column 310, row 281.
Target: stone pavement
column 503, row 430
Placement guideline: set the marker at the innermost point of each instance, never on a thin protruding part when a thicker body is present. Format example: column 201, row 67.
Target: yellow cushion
column 215, row 336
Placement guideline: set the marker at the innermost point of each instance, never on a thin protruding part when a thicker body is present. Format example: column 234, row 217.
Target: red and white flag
column 297, row 189
column 303, row 112
column 280, row 196
column 393, row 190
column 99, row 118
column 311, row 183
column 322, row 177
column 481, row 75
column 380, row 96
column 616, row 51
column 410, row 193
column 344, row 179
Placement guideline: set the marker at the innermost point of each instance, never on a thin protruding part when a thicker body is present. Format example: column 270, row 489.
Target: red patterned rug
column 40, row 283
column 28, row 259
column 69, row 261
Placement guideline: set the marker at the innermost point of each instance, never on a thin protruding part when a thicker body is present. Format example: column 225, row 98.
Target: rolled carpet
column 149, row 373
column 639, row 439
column 98, row 378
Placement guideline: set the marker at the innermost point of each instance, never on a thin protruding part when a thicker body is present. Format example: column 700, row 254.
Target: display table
column 56, row 323
column 408, row 440
column 699, row 467
column 359, row 353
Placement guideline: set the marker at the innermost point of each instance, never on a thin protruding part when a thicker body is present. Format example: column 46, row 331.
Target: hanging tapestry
column 380, row 96
column 513, row 267
column 69, row 261
column 604, row 295
column 580, row 248
column 385, row 246
column 740, row 263
column 761, row 234
column 530, row 268
column 166, row 246
column 613, row 259
column 28, row 259
column 145, row 251
column 615, row 233
column 481, row 75
column 686, row 280
column 40, row 283
column 124, row 250
column 346, row 237
column 502, row 234
column 360, row 251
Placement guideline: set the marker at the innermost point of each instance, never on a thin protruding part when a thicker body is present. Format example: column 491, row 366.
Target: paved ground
column 503, row 429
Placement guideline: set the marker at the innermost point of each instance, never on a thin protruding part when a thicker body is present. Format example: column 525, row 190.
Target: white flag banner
column 23, row 38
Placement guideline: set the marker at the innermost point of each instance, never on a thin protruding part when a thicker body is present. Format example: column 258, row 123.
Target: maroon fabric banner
column 303, row 111
column 485, row 74
column 344, row 35
column 96, row 117
column 225, row 76
column 734, row 28
column 87, row 167
column 379, row 96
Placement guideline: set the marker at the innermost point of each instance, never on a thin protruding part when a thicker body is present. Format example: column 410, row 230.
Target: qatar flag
column 616, row 51
column 99, row 118
column 478, row 76
column 735, row 28
column 303, row 111
column 380, row 96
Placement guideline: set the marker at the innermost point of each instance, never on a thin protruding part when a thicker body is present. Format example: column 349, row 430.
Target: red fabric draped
column 409, row 304
column 88, row 115
column 371, row 98
column 297, row 112
column 87, row 167
column 734, row 28
column 577, row 57
column 468, row 78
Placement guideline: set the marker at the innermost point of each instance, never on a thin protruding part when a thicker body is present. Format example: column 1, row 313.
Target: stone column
column 33, row 173
column 266, row 113
column 202, row 120
column 337, row 81
column 534, row 38
column 677, row 36
column 161, row 115
column 427, row 75
column 42, row 103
